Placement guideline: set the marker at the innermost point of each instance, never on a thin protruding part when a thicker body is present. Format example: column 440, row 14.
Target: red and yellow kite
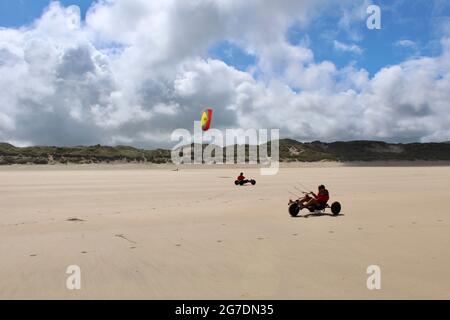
column 206, row 119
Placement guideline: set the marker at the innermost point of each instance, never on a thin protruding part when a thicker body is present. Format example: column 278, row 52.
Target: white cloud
column 136, row 70
column 353, row 48
column 406, row 43
column 351, row 12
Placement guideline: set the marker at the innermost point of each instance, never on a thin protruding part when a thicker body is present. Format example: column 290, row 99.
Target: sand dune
column 152, row 233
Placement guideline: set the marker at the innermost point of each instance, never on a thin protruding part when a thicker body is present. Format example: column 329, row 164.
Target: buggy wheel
column 253, row 182
column 236, row 182
column 336, row 208
column 294, row 210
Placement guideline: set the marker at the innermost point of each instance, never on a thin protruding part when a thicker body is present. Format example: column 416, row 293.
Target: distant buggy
column 244, row 182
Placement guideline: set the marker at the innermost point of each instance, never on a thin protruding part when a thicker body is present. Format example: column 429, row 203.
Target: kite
column 206, row 119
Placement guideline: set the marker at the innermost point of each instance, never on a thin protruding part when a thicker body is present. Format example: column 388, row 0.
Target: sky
column 83, row 72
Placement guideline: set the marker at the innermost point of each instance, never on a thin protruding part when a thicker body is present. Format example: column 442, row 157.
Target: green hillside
column 290, row 151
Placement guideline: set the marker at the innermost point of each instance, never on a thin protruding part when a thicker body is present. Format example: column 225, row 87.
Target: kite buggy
column 241, row 180
column 315, row 203
column 244, row 182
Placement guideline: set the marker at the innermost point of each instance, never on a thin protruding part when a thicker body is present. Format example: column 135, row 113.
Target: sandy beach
column 153, row 233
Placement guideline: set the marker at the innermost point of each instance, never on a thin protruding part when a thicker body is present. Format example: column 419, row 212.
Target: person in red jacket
column 241, row 180
column 317, row 200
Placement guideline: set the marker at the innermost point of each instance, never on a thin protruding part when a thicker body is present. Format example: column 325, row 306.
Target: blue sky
column 15, row 13
column 416, row 20
column 408, row 22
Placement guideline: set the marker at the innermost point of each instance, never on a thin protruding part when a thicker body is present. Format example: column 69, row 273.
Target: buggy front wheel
column 336, row 208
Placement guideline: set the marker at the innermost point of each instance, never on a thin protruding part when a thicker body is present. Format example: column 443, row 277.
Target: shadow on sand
column 319, row 215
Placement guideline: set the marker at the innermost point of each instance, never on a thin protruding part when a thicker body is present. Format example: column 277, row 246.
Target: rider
column 241, row 177
column 319, row 199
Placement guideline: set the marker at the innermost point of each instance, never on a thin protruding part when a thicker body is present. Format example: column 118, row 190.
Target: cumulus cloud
column 136, row 70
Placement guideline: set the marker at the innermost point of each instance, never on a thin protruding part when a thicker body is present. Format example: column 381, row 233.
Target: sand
column 152, row 233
